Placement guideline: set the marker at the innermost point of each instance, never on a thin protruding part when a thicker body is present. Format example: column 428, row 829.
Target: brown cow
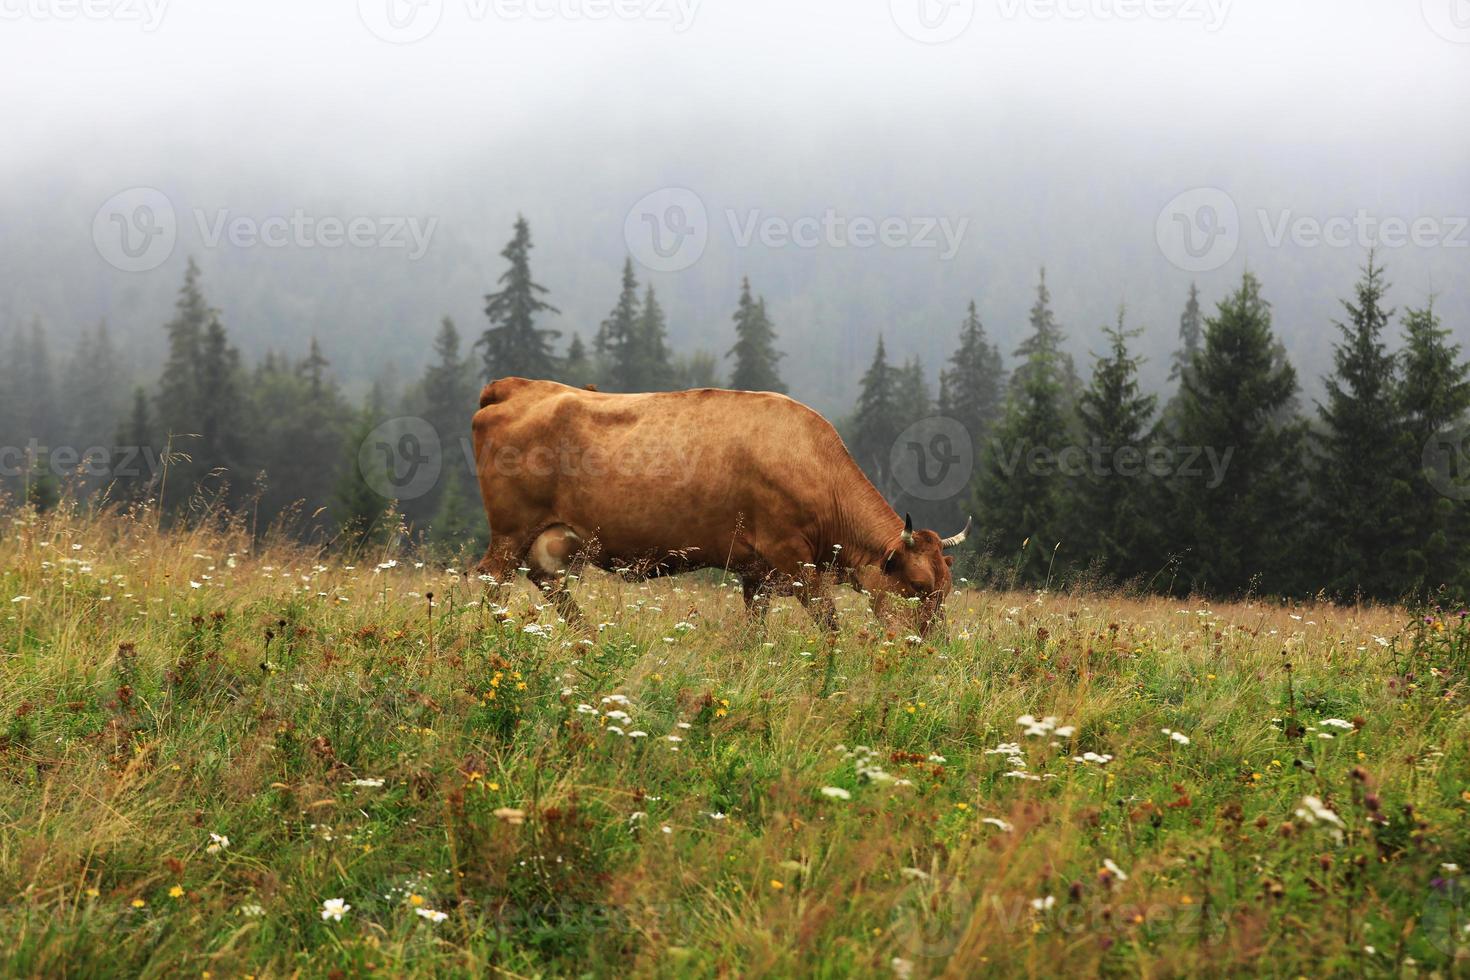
column 752, row 482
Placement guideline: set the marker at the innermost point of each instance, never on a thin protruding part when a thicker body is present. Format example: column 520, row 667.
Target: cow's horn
column 908, row 529
column 957, row 539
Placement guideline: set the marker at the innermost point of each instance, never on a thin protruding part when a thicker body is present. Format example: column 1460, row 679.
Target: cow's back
column 652, row 473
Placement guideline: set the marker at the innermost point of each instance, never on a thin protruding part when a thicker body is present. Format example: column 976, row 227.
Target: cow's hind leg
column 817, row 601
column 501, row 561
column 552, row 555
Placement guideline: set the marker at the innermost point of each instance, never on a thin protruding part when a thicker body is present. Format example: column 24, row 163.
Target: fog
column 1052, row 134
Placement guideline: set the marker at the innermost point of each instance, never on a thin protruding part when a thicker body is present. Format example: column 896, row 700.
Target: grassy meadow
column 226, row 760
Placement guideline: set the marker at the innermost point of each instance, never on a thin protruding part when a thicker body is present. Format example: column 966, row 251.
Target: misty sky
column 1056, row 131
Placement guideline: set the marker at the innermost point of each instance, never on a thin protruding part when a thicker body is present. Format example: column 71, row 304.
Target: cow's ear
column 949, row 560
column 889, row 560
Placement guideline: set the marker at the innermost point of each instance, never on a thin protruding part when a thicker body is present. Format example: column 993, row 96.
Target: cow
column 755, row 483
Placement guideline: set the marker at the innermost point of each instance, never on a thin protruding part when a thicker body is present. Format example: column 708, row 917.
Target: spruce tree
column 457, row 522
column 755, row 346
column 220, row 418
column 972, row 389
column 577, row 369
column 617, row 337
column 912, row 393
column 180, row 387
column 1046, row 339
column 1191, row 329
column 300, row 420
column 655, row 372
column 134, row 453
column 1236, row 494
column 449, row 404
column 449, row 390
column 359, row 509
column 1114, row 497
column 1360, row 474
column 698, row 369
column 1019, row 504
column 876, row 424
column 1433, row 400
column 96, row 369
column 513, row 345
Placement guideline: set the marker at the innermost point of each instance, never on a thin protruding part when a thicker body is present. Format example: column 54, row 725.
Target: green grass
column 157, row 688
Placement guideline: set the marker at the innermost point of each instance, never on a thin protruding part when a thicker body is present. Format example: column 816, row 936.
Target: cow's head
column 914, row 566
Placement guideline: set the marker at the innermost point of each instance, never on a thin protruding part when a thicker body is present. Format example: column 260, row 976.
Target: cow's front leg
column 815, row 598
column 757, row 599
column 500, row 563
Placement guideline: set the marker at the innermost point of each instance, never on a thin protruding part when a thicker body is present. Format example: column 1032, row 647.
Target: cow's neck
column 865, row 525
